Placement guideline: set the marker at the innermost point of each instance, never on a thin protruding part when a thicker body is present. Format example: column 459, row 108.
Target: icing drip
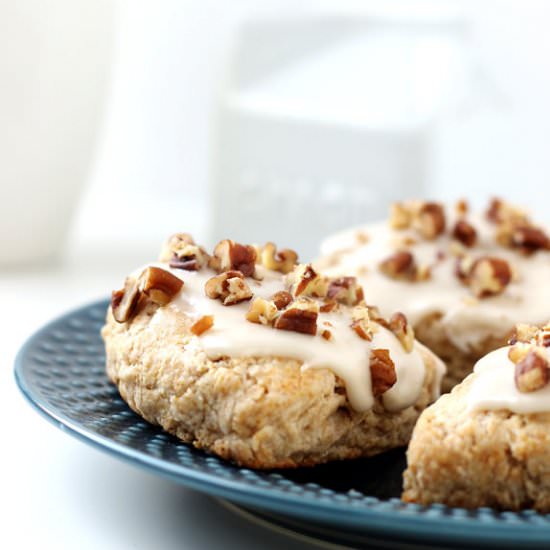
column 467, row 321
column 346, row 354
column 493, row 387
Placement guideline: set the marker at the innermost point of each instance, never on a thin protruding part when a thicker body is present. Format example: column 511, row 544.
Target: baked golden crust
column 261, row 412
column 478, row 458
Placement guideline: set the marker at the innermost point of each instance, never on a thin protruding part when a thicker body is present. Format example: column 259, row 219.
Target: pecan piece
column 326, row 334
column 262, row 312
column 206, row 322
column 301, row 317
column 532, row 372
column 465, row 233
column 361, row 323
column 400, row 216
column 159, row 285
column 489, row 276
column 181, row 252
column 523, row 333
column 345, row 290
column 232, row 256
column 400, row 265
column 526, row 238
column 430, row 220
column 402, row 330
column 382, row 371
column 305, row 281
column 230, row 287
column 283, row 260
column 282, row 299
column 500, row 211
column 125, row 300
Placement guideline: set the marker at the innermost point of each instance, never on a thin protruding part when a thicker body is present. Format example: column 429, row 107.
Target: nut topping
column 523, row 333
column 124, row 301
column 282, row 260
column 206, row 322
column 301, row 317
column 500, row 211
column 400, row 265
column 345, row 290
column 526, row 238
column 382, row 371
column 361, row 323
column 400, row 216
column 430, row 220
column 402, row 330
column 489, row 276
column 305, row 281
column 230, row 287
column 181, row 252
column 465, row 233
column 282, row 299
column 262, row 312
column 532, row 372
column 159, row 285
column 326, row 334
column 232, row 256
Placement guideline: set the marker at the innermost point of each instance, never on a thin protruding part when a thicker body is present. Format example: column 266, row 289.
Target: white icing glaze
column 493, row 387
column 466, row 321
column 346, row 354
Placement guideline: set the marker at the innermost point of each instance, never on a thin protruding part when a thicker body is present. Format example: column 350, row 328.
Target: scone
column 263, row 361
column 463, row 280
column 486, row 443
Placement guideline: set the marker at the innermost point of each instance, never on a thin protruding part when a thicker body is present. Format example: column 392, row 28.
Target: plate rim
column 377, row 516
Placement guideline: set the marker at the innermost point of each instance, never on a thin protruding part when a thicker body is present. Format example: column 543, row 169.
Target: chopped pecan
column 283, row 260
column 361, row 237
column 523, row 333
column 206, row 322
column 430, row 220
column 462, row 207
column 400, row 216
column 382, row 371
column 500, row 211
column 159, row 285
column 328, row 306
column 345, row 290
column 326, row 334
column 300, row 317
column 262, row 312
column 361, row 323
column 174, row 244
column 402, row 330
column 282, row 299
column 125, row 300
column 305, row 281
column 463, row 266
column 230, row 287
column 232, row 256
column 465, row 233
column 489, row 276
column 181, row 252
column 400, row 265
column 525, row 238
column 532, row 372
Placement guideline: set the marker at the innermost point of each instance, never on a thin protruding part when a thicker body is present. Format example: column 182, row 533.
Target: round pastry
column 263, row 361
column 486, row 443
column 463, row 280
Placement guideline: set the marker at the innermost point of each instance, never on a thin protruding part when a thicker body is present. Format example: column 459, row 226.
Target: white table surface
column 60, row 493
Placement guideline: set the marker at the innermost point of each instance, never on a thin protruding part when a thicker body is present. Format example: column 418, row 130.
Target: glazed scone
column 486, row 443
column 463, row 280
column 262, row 361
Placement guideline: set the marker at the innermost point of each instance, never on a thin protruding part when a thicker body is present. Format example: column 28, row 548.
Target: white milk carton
column 325, row 121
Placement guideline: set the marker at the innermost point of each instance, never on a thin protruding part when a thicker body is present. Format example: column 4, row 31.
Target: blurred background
column 123, row 121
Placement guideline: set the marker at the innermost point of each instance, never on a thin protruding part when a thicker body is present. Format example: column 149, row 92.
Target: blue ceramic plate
column 60, row 370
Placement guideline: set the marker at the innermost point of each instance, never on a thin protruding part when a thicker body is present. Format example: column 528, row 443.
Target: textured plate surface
column 61, row 372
